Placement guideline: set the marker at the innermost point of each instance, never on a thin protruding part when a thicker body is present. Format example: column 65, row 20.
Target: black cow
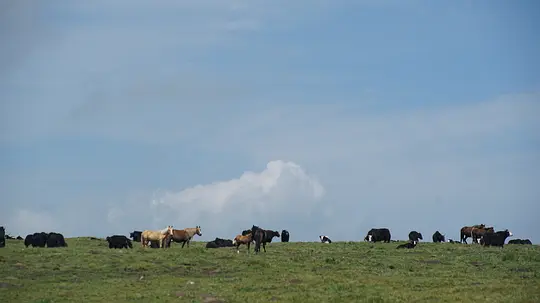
column 284, row 236
column 409, row 245
column 155, row 244
column 325, row 239
column 415, row 236
column 8, row 237
column 495, row 239
column 2, row 236
column 119, row 241
column 36, row 239
column 217, row 243
column 378, row 234
column 520, row 241
column 438, row 237
column 19, row 238
column 136, row 235
column 262, row 236
column 245, row 232
column 56, row 240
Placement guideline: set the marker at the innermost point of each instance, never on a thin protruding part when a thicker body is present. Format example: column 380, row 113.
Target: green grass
column 88, row 271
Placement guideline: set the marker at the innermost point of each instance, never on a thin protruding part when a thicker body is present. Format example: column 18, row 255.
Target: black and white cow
column 408, row 245
column 495, row 239
column 378, row 234
column 136, row 235
column 119, row 241
column 415, row 236
column 325, row 239
column 438, row 237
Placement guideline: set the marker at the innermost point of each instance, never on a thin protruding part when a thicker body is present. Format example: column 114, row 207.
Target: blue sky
column 321, row 117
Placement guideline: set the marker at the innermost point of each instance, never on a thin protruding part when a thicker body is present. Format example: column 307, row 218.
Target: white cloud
column 282, row 191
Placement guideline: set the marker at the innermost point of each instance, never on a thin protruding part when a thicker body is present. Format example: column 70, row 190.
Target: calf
column 415, row 236
column 284, row 236
column 408, row 245
column 119, row 241
column 378, row 234
column 438, row 237
column 325, row 239
column 495, row 239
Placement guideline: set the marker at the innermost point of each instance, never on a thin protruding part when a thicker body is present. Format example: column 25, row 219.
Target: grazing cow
column 246, row 240
column 217, row 243
column 495, row 239
column 520, row 241
column 56, row 240
column 2, row 236
column 438, row 237
column 155, row 235
column 284, row 236
column 183, row 235
column 325, row 239
column 415, row 236
column 8, row 237
column 19, row 238
column 36, row 239
column 409, row 245
column 378, row 234
column 262, row 236
column 119, row 241
column 136, row 236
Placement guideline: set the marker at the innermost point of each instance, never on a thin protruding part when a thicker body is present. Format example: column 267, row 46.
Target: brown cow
column 467, row 231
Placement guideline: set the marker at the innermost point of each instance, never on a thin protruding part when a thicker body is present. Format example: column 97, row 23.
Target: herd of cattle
column 480, row 234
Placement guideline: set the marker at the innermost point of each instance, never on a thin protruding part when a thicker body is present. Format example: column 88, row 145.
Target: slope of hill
column 88, row 271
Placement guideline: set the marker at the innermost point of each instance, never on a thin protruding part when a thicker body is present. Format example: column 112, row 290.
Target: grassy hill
column 88, row 271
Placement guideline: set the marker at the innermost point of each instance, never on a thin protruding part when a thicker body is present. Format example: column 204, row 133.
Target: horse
column 262, row 236
column 155, row 235
column 246, row 240
column 183, row 235
column 466, row 231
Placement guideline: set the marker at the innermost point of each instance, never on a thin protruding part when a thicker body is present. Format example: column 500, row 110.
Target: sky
column 319, row 117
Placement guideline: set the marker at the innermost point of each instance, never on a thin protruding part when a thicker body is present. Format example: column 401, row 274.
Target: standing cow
column 2, row 236
column 119, row 241
column 378, row 234
column 136, row 235
column 415, row 236
column 284, row 236
column 438, row 237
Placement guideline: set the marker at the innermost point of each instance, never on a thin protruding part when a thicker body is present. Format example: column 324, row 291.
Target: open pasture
column 88, row 271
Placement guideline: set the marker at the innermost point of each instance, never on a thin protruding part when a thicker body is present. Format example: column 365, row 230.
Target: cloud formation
column 283, row 191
